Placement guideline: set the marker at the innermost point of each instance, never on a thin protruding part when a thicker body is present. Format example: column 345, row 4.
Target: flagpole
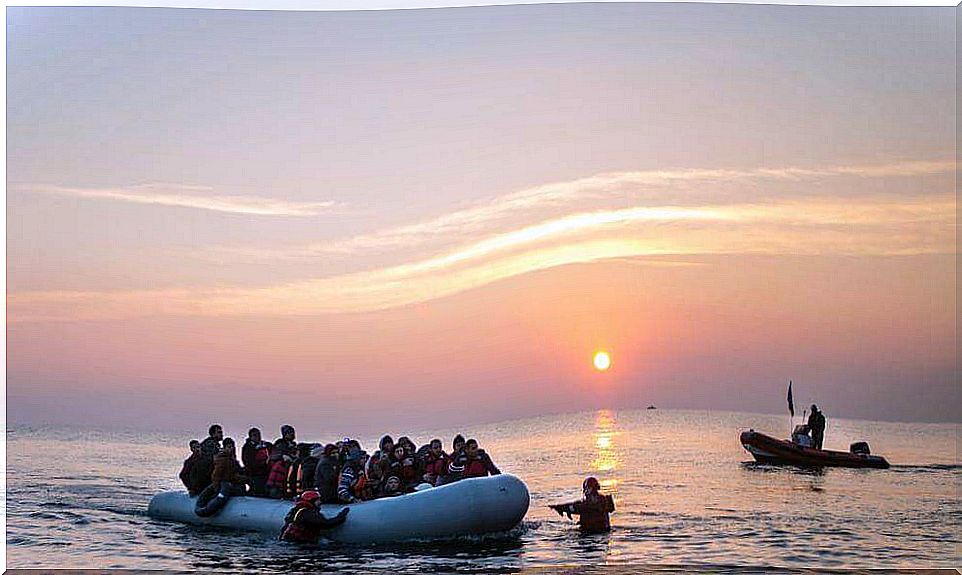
column 791, row 410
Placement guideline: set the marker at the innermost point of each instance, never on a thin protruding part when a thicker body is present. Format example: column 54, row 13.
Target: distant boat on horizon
column 651, row 407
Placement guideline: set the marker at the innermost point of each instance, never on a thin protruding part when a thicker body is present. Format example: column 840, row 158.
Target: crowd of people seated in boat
column 341, row 472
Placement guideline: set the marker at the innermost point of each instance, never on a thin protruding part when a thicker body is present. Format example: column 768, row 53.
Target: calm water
column 684, row 490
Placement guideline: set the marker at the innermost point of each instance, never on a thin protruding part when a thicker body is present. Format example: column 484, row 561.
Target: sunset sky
column 358, row 220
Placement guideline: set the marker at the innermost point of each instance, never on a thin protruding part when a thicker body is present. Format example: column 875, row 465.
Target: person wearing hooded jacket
column 305, row 523
column 592, row 511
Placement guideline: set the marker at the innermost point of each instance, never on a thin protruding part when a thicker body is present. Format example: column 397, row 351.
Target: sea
column 688, row 496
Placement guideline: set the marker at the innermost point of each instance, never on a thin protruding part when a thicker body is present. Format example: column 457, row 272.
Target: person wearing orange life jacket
column 352, row 482
column 305, row 523
column 282, row 455
column 593, row 510
column 292, row 485
column 255, row 455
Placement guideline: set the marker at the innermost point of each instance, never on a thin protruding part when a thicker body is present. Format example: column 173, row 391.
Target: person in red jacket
column 593, row 510
column 282, row 455
column 255, row 455
column 305, row 522
column 477, row 463
column 434, row 462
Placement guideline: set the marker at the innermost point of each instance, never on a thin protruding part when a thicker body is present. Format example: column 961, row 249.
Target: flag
column 791, row 404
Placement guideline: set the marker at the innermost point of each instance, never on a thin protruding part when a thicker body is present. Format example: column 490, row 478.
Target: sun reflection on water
column 606, row 458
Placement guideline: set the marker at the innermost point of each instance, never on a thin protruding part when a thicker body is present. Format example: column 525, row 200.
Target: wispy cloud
column 647, row 186
column 868, row 226
column 198, row 197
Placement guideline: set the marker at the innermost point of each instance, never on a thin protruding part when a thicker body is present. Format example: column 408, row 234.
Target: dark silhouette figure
column 816, row 423
column 593, row 510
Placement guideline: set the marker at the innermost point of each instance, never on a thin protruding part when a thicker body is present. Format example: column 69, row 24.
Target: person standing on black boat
column 816, row 423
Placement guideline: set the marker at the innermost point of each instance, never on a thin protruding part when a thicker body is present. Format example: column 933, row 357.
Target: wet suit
column 305, row 522
column 593, row 512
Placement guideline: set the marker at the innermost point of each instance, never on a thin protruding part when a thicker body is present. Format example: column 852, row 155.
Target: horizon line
column 385, row 5
column 154, row 429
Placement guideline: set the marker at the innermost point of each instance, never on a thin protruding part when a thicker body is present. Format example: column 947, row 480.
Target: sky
column 354, row 221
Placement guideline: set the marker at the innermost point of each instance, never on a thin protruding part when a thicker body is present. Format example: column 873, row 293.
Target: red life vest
column 408, row 470
column 278, row 475
column 437, row 466
column 475, row 468
column 261, row 456
column 299, row 533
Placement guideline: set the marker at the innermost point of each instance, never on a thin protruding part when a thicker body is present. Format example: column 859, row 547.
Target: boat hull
column 467, row 507
column 767, row 449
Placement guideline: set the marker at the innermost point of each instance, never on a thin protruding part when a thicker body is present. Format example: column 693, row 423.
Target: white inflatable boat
column 467, row 507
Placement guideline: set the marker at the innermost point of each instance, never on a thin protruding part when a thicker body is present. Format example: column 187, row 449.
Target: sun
column 602, row 360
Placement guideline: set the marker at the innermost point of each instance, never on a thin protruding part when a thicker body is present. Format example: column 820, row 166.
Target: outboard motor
column 859, row 448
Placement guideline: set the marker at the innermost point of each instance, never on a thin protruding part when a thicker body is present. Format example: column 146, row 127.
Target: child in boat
column 593, row 510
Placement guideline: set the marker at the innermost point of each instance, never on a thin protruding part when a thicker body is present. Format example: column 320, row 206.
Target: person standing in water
column 816, row 423
column 592, row 511
column 305, row 522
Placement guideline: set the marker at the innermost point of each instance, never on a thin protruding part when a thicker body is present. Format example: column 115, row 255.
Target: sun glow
column 602, row 361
